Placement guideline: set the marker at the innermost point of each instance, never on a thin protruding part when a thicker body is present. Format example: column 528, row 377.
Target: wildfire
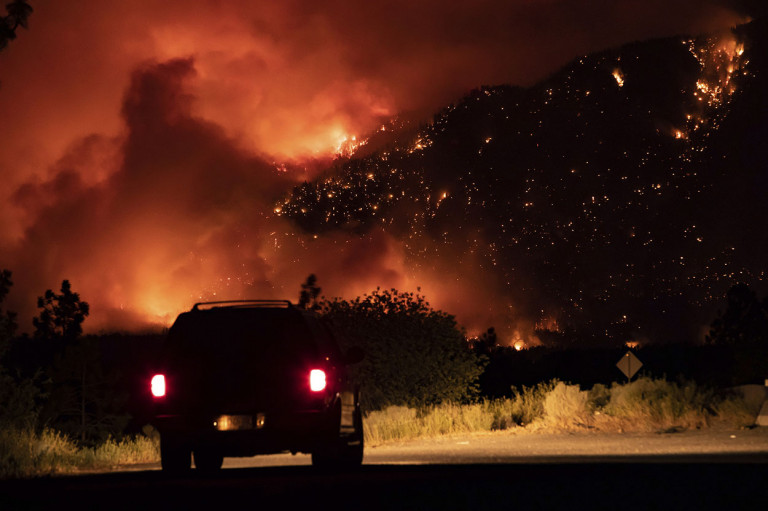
column 719, row 61
column 549, row 324
column 619, row 76
column 419, row 144
column 348, row 146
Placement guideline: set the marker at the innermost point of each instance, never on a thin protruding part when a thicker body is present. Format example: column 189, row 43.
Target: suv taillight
column 317, row 381
column 157, row 386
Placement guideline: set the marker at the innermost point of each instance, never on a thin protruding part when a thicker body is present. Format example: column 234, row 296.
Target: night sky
column 146, row 146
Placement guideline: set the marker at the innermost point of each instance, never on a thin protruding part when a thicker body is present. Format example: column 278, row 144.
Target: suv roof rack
column 243, row 304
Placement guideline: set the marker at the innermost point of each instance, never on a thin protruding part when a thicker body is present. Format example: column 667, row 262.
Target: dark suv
column 254, row 377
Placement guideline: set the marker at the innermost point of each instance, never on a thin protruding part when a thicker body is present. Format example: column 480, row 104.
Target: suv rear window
column 237, row 337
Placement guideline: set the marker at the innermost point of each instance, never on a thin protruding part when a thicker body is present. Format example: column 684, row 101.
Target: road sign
column 629, row 364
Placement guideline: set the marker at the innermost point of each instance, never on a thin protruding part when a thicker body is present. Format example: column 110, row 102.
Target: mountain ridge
column 623, row 195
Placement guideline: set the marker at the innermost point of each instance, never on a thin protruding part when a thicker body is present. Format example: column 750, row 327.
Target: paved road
column 499, row 471
column 508, row 447
column 503, row 447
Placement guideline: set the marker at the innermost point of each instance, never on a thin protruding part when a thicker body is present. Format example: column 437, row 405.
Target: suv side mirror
column 354, row 355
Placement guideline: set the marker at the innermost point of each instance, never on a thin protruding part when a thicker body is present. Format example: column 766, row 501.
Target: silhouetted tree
column 414, row 355
column 310, row 291
column 7, row 319
column 19, row 396
column 744, row 321
column 84, row 402
column 744, row 327
column 18, row 13
column 62, row 315
column 486, row 343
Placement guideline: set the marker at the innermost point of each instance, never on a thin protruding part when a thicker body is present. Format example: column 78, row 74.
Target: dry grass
column 128, row 451
column 26, row 453
column 401, row 423
column 655, row 405
column 644, row 405
column 740, row 408
column 566, row 407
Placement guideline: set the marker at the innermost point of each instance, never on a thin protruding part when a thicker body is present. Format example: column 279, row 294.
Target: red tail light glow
column 158, row 385
column 317, row 381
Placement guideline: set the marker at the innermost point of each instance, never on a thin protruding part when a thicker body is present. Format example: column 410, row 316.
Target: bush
column 739, row 407
column 528, row 403
column 599, row 396
column 501, row 412
column 414, row 355
column 647, row 404
column 567, row 406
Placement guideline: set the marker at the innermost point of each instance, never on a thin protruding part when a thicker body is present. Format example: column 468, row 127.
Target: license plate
column 238, row 422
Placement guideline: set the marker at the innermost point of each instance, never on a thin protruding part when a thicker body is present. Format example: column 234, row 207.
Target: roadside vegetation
column 25, row 452
column 62, row 413
column 644, row 405
column 415, row 355
column 70, row 402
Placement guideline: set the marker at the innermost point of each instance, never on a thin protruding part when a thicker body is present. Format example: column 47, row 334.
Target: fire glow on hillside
column 470, row 223
column 161, row 170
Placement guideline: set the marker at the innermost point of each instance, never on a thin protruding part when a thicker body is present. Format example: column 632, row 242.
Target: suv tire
column 175, row 454
column 208, row 460
column 342, row 451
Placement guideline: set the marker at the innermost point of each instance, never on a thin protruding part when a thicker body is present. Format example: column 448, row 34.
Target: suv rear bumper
column 295, row 431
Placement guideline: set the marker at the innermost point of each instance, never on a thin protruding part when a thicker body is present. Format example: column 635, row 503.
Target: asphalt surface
column 709, row 470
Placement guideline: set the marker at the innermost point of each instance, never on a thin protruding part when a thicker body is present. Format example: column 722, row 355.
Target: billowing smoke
column 185, row 216
column 142, row 142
